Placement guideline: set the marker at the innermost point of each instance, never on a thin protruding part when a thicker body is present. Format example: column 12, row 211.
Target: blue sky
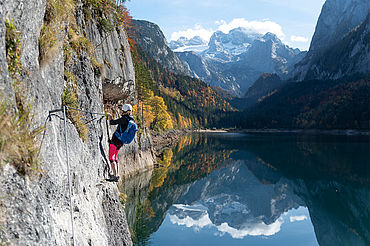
column 293, row 21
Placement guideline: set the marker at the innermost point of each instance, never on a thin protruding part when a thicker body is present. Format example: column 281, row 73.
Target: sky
column 293, row 21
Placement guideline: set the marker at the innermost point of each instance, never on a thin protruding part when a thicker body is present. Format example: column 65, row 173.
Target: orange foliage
column 183, row 122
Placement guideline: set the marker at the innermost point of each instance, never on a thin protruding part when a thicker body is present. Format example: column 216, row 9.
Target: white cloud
column 250, row 229
column 220, row 22
column 254, row 26
column 254, row 229
column 261, row 27
column 297, row 218
column 198, row 30
column 190, row 222
column 298, row 39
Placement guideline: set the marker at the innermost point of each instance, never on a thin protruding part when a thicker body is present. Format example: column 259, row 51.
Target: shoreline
column 161, row 141
column 169, row 138
column 347, row 132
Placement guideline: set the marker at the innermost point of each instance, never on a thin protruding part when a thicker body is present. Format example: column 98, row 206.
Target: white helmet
column 126, row 107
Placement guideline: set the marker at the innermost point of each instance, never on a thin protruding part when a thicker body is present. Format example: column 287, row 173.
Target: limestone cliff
column 94, row 61
column 340, row 44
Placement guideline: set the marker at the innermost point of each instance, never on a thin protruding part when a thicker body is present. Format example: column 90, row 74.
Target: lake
column 254, row 189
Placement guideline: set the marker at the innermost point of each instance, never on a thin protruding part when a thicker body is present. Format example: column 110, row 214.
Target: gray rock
column 5, row 84
column 337, row 20
column 35, row 210
column 151, row 39
column 210, row 71
column 347, row 57
column 22, row 201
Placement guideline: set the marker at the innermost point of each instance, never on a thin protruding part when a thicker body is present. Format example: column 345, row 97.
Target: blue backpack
column 128, row 135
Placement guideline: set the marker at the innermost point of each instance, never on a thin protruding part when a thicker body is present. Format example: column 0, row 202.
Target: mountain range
column 326, row 87
column 233, row 61
column 333, row 79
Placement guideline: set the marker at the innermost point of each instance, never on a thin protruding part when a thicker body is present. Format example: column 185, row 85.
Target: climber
column 124, row 134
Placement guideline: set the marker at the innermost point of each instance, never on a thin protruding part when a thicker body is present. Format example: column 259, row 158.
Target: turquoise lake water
column 254, row 189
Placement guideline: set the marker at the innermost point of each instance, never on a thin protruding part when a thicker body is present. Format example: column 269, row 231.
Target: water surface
column 254, row 189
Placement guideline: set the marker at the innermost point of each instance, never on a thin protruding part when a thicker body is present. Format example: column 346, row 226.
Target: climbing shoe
column 116, row 179
column 112, row 179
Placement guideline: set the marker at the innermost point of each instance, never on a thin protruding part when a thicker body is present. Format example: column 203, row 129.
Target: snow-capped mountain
column 227, row 47
column 234, row 196
column 233, row 61
column 184, row 44
column 210, row 71
column 268, row 54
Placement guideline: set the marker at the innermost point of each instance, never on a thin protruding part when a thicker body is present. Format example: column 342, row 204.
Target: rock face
column 35, row 210
column 150, row 37
column 347, row 57
column 337, row 34
column 208, row 71
column 336, row 19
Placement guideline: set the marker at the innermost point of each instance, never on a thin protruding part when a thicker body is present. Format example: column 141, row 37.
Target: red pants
column 113, row 152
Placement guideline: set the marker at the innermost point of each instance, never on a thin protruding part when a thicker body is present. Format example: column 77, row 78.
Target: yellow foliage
column 183, row 142
column 153, row 111
column 143, row 110
column 167, row 158
column 172, row 92
column 162, row 119
column 160, row 174
column 183, row 122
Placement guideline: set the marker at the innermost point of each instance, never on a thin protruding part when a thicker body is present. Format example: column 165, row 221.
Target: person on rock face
column 115, row 143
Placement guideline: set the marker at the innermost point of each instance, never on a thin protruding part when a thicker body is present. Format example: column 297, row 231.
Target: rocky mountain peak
column 242, row 35
column 272, row 37
column 337, row 18
column 226, row 47
column 150, row 37
column 341, row 33
column 185, row 44
column 196, row 40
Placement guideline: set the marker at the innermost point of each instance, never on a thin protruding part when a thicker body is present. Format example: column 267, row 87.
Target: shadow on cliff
column 102, row 152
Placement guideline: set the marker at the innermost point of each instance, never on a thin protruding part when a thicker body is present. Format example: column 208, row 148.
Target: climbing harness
column 64, row 109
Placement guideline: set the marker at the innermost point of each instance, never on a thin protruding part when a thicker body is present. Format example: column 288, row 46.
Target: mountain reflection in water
column 247, row 185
